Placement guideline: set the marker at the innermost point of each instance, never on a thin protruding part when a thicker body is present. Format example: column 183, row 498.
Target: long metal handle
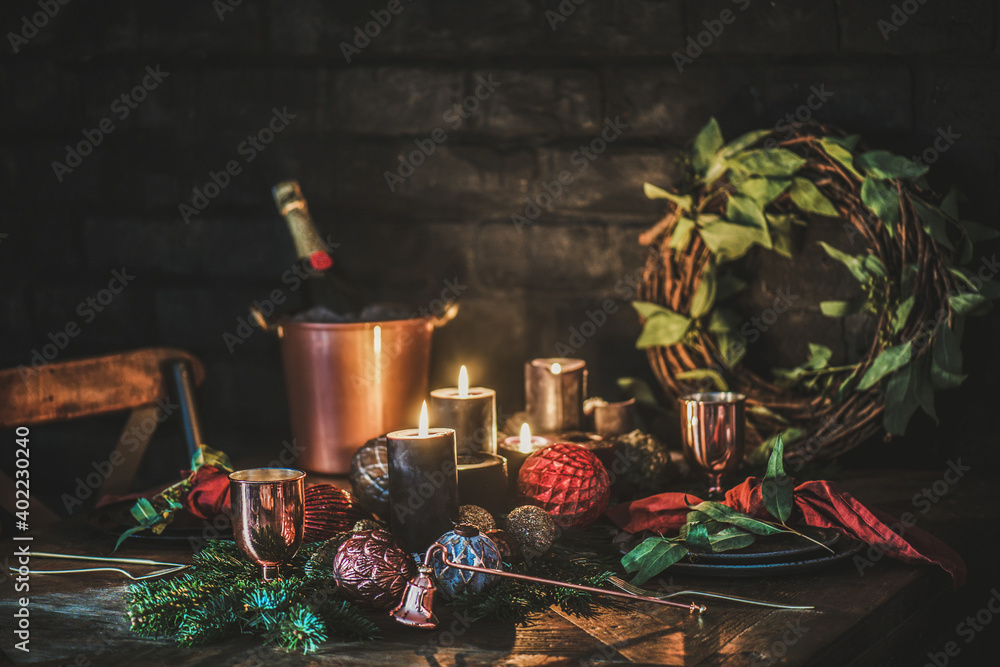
column 189, row 413
column 692, row 606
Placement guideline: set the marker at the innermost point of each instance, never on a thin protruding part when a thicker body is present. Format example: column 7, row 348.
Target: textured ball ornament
column 567, row 481
column 330, row 510
column 510, row 550
column 370, row 476
column 532, row 528
column 366, row 524
column 372, row 570
column 476, row 516
column 467, row 546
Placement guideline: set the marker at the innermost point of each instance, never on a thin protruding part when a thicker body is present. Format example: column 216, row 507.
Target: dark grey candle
column 554, row 390
column 473, row 416
column 423, row 486
column 482, row 481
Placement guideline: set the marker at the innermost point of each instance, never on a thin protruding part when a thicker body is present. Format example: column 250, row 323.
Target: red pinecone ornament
column 372, row 570
column 567, row 481
column 330, row 510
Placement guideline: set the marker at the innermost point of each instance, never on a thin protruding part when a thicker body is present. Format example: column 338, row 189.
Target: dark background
column 451, row 220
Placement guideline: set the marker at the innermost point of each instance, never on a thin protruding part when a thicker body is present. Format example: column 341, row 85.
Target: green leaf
column 978, row 232
column 732, row 347
column 969, row 304
column 728, row 285
column 726, row 514
column 841, row 154
column 776, row 487
column 842, row 308
column 738, row 144
column 882, row 199
column 900, row 400
column 724, row 320
column 854, row 264
column 729, row 241
column 662, row 327
column 640, row 391
column 924, row 386
column 883, row 164
column 907, row 280
column 651, row 558
column 946, row 361
column 933, row 222
column 781, row 233
column 704, row 297
column 764, row 411
column 759, row 456
column 705, row 373
column 681, row 234
column 874, row 266
column 762, row 190
column 683, row 202
column 819, row 356
column 729, row 538
column 767, row 162
column 903, row 314
column 748, row 213
column 706, row 144
column 206, row 456
column 808, row 198
column 696, row 535
column 886, row 362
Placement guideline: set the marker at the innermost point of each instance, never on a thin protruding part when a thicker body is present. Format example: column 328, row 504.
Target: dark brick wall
column 561, row 76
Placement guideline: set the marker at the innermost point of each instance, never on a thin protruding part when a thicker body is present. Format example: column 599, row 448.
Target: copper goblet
column 268, row 515
column 712, row 431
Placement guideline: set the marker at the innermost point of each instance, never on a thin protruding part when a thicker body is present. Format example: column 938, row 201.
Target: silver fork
column 635, row 590
column 170, row 569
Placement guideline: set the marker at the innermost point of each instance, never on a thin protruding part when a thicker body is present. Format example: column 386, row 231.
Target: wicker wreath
column 749, row 193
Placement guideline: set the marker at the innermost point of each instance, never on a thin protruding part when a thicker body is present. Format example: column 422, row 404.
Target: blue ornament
column 465, row 545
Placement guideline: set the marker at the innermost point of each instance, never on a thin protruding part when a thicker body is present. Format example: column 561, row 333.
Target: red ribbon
column 820, row 504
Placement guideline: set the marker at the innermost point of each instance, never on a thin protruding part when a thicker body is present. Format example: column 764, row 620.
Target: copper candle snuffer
column 417, row 606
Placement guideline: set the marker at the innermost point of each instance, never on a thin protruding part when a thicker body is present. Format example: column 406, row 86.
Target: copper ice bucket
column 350, row 382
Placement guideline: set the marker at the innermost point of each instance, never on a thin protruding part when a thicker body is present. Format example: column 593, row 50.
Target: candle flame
column 525, row 437
column 556, row 368
column 463, row 382
column 378, row 339
column 422, row 427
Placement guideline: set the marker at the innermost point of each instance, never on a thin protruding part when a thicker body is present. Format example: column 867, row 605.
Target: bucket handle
column 435, row 322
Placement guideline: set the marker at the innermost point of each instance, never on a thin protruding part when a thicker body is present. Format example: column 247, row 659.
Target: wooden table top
column 858, row 618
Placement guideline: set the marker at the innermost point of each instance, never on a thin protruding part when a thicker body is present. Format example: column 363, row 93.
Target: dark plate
column 844, row 548
column 772, row 549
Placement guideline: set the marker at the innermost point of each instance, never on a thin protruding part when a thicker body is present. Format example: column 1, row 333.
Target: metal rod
column 437, row 546
column 189, row 413
column 103, row 559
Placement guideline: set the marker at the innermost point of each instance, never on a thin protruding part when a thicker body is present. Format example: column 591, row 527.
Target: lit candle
column 554, row 391
column 471, row 411
column 517, row 448
column 423, row 484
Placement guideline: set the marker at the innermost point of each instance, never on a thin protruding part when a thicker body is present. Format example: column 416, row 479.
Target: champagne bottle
column 325, row 285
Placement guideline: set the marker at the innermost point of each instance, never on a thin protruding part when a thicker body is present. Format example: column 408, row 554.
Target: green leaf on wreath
column 781, row 232
column 903, row 313
column 732, row 347
column 882, row 199
column 767, row 162
column 745, row 212
column 706, row 144
column 841, row 154
column 761, row 190
column 745, row 141
column 874, row 266
column 900, row 400
column 777, row 487
column 718, row 381
column 934, row 223
column 819, row 356
column 683, row 202
column 704, row 296
column 727, row 285
column 970, row 304
column 729, row 241
column 682, row 234
column 886, row 362
column 854, row 264
column 946, row 358
column 652, row 557
column 988, row 288
column 662, row 327
column 842, row 308
column 883, row 164
column 908, row 280
column 809, row 199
